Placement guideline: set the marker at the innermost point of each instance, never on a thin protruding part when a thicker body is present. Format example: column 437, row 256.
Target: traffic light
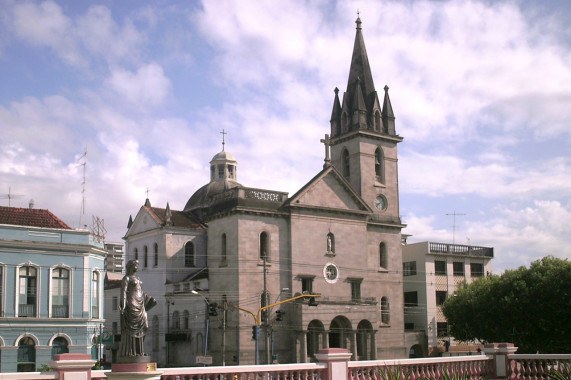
column 255, row 332
column 212, row 309
column 312, row 301
column 280, row 315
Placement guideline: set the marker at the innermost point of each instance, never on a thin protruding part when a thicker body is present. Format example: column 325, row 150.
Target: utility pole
column 265, row 313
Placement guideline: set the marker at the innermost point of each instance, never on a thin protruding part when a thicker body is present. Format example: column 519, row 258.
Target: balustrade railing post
column 499, row 353
column 337, row 360
column 72, row 366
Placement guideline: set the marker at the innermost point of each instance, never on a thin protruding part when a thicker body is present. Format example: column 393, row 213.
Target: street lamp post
column 207, row 323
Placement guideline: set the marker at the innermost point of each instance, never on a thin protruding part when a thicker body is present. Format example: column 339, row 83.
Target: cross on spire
column 327, row 142
column 223, row 142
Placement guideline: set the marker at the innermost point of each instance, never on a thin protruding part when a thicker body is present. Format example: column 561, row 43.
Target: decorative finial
column 147, row 192
column 386, row 88
column 223, row 142
column 358, row 21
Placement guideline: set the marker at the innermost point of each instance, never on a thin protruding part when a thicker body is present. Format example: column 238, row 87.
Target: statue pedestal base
column 138, row 368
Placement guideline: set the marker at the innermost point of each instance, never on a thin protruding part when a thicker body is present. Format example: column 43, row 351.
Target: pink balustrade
column 499, row 363
column 535, row 367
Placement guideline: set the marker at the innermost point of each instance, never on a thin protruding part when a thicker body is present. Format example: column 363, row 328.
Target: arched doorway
column 315, row 331
column 340, row 332
column 59, row 346
column 365, row 340
column 26, row 355
column 416, row 351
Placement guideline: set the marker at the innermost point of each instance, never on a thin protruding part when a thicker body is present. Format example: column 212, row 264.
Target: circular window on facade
column 331, row 273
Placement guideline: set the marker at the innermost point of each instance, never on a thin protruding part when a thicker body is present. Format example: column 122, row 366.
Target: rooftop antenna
column 454, row 214
column 223, row 142
column 10, row 196
column 98, row 228
column 83, row 183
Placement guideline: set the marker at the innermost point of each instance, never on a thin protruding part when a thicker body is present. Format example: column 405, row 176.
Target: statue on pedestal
column 133, row 307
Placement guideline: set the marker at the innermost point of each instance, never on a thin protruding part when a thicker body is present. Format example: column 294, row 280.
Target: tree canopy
column 530, row 307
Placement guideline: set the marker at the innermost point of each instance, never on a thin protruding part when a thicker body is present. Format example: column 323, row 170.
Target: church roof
column 30, row 217
column 177, row 218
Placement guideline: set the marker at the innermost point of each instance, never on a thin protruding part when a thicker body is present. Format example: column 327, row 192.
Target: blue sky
column 481, row 91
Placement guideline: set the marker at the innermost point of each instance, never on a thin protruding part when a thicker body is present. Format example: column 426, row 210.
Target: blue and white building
column 51, row 289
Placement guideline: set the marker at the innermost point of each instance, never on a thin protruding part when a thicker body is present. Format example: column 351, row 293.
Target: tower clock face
column 331, row 273
column 381, row 203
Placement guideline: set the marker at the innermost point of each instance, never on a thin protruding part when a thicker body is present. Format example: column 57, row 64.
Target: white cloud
column 518, row 235
column 443, row 175
column 148, row 86
column 74, row 40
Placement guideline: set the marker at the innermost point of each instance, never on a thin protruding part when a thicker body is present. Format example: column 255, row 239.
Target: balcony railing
column 460, row 249
column 60, row 311
column 26, row 310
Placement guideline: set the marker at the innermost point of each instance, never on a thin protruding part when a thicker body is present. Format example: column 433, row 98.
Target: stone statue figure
column 133, row 307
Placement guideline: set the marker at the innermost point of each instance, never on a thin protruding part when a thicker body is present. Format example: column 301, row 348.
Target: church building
column 234, row 249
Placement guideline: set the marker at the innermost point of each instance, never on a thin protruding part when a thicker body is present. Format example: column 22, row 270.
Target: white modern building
column 432, row 272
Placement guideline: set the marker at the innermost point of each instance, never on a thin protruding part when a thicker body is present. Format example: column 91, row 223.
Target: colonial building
column 432, row 272
column 339, row 236
column 51, row 286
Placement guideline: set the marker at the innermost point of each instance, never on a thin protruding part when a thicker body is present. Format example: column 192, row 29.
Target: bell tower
column 363, row 137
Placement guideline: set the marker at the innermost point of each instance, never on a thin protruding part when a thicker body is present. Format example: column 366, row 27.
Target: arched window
column 330, row 243
column 223, row 248
column 26, row 355
column 189, row 254
column 176, row 320
column 264, row 246
column 379, row 164
column 385, row 311
column 185, row 320
column 95, row 294
column 377, row 121
column 155, row 332
column 136, row 254
column 383, row 259
column 28, row 291
column 156, row 255
column 345, row 163
column 60, row 293
column 59, row 346
column 146, row 257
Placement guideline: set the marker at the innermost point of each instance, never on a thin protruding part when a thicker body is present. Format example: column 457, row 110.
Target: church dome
column 223, row 177
column 223, row 156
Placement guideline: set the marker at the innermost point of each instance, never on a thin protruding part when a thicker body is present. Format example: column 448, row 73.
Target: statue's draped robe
column 134, row 322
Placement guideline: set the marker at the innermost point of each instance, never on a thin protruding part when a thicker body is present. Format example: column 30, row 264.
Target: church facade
column 238, row 249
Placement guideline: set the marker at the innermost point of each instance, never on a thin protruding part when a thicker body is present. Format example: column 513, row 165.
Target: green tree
column 529, row 307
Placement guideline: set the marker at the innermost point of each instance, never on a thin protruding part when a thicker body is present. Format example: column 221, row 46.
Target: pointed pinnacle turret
column 388, row 114
column 335, row 120
column 168, row 215
column 130, row 222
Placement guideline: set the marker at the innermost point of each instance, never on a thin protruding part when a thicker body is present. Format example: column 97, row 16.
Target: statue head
column 132, row 266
